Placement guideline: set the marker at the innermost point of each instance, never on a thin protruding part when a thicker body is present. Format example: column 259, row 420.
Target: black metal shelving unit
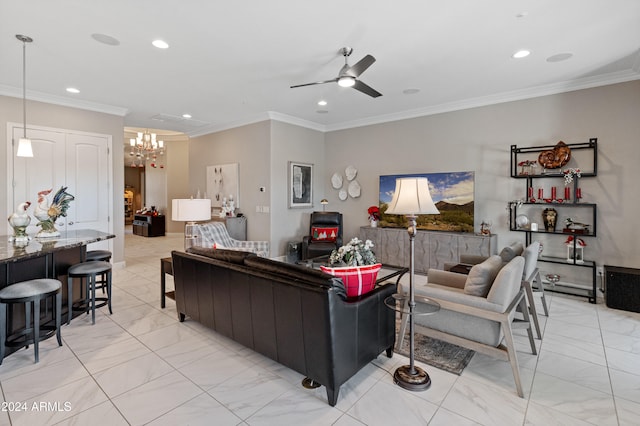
column 527, row 153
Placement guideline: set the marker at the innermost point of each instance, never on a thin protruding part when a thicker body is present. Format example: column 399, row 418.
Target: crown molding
column 284, row 118
column 63, row 101
column 516, row 95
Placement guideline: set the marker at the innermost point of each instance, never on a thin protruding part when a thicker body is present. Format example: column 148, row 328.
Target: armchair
column 215, row 234
column 530, row 274
column 325, row 234
column 477, row 311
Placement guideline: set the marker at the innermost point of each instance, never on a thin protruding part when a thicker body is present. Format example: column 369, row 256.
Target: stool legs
column 90, row 288
column 3, row 329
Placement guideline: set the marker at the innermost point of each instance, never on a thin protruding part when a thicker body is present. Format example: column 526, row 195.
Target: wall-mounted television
column 452, row 194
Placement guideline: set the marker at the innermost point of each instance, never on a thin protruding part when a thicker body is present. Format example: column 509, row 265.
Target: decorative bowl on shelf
column 552, row 278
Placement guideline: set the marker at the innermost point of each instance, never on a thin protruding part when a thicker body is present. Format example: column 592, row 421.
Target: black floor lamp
column 411, row 198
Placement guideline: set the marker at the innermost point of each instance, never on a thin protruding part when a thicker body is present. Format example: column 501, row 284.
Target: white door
column 45, row 170
column 79, row 161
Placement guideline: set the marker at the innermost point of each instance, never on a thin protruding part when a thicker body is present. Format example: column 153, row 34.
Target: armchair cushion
column 324, row 233
column 481, row 276
column 511, row 251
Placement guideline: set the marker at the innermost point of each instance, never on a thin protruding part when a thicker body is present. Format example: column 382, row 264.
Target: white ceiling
column 232, row 62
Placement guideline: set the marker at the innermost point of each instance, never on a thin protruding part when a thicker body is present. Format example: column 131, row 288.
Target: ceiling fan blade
column 366, row 89
column 361, row 66
column 316, row 82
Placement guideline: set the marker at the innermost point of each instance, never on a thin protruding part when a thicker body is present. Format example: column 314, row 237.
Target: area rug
column 439, row 354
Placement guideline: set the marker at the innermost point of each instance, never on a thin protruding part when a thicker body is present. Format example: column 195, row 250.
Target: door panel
column 45, row 170
column 65, row 158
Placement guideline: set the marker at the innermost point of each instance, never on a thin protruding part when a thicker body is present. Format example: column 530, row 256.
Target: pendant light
column 24, row 144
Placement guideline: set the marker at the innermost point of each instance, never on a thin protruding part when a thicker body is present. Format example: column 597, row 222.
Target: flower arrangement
column 569, row 174
column 354, row 253
column 374, row 213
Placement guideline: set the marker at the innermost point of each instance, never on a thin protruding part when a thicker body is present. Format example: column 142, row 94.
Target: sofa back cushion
column 481, row 276
column 231, row 256
column 295, row 272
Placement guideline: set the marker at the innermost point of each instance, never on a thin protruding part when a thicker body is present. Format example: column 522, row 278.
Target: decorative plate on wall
column 342, row 195
column 351, row 172
column 336, row 181
column 354, row 189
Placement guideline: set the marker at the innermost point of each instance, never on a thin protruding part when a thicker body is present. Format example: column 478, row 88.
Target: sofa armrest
column 446, row 278
column 456, row 300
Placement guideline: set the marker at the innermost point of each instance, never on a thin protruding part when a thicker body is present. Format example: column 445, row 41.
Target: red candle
column 567, row 193
column 553, row 192
column 530, row 192
column 540, row 193
column 578, row 193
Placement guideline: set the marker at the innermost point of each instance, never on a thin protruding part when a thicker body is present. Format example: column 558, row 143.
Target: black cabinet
column 149, row 226
column 553, row 205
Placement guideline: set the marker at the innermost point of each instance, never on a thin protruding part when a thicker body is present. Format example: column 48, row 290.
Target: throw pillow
column 482, row 275
column 323, row 233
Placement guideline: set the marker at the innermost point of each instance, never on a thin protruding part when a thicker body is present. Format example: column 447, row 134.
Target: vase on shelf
column 374, row 223
column 549, row 217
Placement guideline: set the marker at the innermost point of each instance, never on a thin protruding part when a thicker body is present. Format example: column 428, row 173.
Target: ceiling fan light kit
column 348, row 75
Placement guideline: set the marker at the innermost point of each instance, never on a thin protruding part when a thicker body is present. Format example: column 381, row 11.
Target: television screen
column 452, row 194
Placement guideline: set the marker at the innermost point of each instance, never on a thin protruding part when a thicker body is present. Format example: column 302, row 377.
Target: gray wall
column 249, row 146
column 293, row 143
column 479, row 140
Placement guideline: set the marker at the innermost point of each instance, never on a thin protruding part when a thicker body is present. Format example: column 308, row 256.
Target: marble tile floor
column 141, row 366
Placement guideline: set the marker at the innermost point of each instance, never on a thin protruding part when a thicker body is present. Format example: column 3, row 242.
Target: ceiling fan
column 348, row 75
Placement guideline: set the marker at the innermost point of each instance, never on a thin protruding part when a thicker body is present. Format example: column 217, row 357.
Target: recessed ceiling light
column 322, row 102
column 186, row 115
column 559, row 57
column 72, row 90
column 410, row 91
column 160, row 44
column 105, row 39
column 521, row 54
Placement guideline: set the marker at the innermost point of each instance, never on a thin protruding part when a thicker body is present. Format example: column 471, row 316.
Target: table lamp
column 411, row 198
column 324, row 203
column 190, row 211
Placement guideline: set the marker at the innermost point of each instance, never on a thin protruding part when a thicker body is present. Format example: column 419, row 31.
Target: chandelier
column 147, row 149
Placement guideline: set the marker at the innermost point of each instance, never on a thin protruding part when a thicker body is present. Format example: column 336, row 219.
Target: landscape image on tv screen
column 452, row 194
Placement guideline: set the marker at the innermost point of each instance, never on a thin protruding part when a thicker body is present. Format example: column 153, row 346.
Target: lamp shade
column 412, row 197
column 190, row 210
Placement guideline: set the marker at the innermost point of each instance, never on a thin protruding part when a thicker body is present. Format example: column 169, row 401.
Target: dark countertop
column 12, row 252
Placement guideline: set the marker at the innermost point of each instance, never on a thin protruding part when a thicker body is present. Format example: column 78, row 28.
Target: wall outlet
column 265, row 209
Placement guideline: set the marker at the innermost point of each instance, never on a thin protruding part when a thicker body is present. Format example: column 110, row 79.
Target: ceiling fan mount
column 348, row 75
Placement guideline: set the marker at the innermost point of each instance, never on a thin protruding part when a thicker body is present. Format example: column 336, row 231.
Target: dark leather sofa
column 294, row 315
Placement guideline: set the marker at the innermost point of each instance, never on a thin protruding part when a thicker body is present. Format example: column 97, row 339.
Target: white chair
column 215, row 235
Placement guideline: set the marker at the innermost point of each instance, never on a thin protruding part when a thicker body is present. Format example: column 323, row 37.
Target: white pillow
column 481, row 276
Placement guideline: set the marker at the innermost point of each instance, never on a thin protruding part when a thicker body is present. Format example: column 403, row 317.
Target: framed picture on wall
column 223, row 183
column 300, row 185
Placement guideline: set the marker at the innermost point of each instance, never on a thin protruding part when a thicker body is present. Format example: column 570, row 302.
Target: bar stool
column 29, row 292
column 88, row 271
column 104, row 255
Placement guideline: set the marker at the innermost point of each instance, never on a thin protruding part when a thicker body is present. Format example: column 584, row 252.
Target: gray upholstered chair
column 531, row 281
column 477, row 310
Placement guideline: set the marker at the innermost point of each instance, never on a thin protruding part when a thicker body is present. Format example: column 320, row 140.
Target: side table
column 166, row 267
